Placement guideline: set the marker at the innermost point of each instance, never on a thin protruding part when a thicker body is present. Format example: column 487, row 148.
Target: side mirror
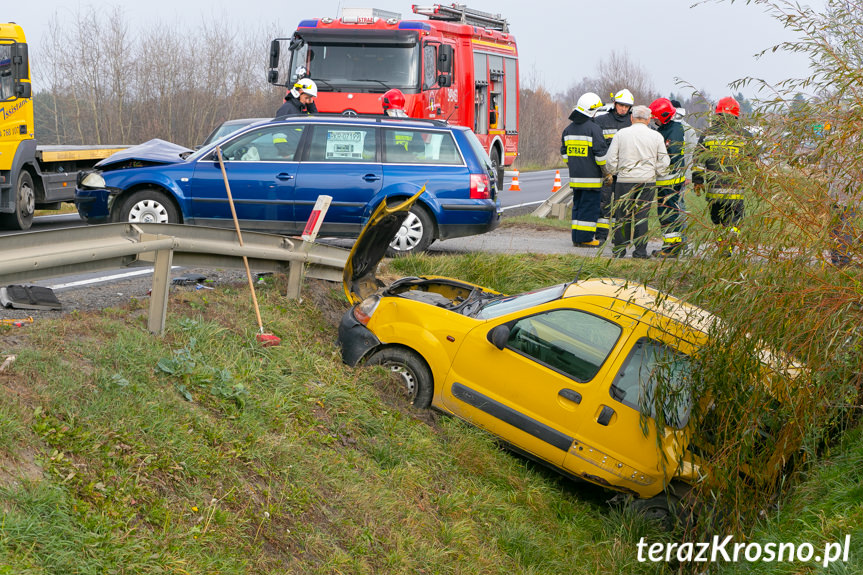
column 499, row 335
column 21, row 63
column 23, row 90
column 273, row 76
column 444, row 59
column 275, row 50
column 444, row 81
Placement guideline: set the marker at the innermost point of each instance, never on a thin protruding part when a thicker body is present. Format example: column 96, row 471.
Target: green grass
column 200, row 452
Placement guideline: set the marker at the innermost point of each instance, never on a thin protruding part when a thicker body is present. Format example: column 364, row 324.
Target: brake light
column 480, row 187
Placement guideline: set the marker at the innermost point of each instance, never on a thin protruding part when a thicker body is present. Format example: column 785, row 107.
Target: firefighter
column 720, row 150
column 617, row 118
column 583, row 148
column 669, row 189
column 393, row 103
column 300, row 99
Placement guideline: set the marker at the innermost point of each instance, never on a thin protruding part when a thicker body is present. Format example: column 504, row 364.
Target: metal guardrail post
column 158, row 313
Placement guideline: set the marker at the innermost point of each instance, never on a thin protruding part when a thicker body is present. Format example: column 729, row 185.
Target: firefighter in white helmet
column 583, row 148
column 617, row 118
column 300, row 99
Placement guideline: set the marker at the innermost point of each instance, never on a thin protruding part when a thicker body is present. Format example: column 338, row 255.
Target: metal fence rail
column 39, row 255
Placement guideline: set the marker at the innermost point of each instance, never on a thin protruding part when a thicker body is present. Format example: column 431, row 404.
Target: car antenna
column 454, row 108
column 578, row 273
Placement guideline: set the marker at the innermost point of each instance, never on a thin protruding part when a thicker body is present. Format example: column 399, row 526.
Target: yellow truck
column 31, row 176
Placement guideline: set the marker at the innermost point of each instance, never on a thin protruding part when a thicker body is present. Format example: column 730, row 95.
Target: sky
column 708, row 45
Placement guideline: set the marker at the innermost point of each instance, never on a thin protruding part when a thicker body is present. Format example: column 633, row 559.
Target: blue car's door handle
column 284, row 176
column 371, row 178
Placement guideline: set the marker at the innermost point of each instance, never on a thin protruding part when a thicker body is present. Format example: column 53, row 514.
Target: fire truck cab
column 459, row 65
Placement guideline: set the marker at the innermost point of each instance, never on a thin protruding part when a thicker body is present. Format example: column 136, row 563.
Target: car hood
column 153, row 152
column 360, row 280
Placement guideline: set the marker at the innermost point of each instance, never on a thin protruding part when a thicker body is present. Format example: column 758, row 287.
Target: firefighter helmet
column 307, row 86
column 662, row 110
column 623, row 97
column 393, row 100
column 728, row 105
column 588, row 104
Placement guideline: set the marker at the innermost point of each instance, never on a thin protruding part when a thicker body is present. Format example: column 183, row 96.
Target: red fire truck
column 459, row 65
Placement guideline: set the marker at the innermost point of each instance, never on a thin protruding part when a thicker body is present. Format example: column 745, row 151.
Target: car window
column 343, row 144
column 649, row 363
column 269, row 144
column 404, row 146
column 573, row 342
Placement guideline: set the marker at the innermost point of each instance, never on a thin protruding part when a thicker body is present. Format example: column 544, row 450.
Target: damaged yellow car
column 562, row 374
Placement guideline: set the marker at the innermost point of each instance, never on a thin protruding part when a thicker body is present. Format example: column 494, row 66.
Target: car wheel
column 497, row 166
column 415, row 235
column 148, row 207
column 25, row 204
column 411, row 370
column 661, row 508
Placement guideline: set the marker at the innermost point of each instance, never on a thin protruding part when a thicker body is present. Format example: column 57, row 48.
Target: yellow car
column 562, row 374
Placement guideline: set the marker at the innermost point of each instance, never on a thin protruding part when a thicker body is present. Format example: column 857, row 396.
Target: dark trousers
column 726, row 213
column 585, row 211
column 632, row 203
column 844, row 235
column 669, row 208
column 603, row 224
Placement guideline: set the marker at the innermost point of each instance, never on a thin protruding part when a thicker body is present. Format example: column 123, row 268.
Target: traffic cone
column 513, row 187
column 557, row 184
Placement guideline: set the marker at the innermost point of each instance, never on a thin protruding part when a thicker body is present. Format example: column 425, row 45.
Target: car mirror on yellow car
column 499, row 336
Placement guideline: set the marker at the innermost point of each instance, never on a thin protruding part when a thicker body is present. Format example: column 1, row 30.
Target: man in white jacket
column 637, row 156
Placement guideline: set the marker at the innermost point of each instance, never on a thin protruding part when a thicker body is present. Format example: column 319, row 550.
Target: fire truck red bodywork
column 484, row 89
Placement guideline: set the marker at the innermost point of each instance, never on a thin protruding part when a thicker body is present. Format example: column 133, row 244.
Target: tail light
column 480, row 187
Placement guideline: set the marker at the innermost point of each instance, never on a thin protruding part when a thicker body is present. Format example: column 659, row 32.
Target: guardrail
column 45, row 254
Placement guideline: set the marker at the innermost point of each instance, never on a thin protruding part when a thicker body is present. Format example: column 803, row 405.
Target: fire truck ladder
column 461, row 13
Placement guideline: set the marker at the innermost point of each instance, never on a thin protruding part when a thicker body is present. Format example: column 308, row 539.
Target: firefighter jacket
column 637, row 155
column 583, row 148
column 674, row 136
column 611, row 122
column 293, row 107
column 720, row 151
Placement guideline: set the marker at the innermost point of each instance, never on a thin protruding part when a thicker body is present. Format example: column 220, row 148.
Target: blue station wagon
column 278, row 168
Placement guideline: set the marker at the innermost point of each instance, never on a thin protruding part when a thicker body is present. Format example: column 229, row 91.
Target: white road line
column 521, row 205
column 103, row 279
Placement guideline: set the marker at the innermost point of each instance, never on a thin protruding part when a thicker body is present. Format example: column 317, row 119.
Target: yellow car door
column 611, row 447
column 524, row 378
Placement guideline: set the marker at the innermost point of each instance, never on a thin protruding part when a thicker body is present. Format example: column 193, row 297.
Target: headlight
column 364, row 310
column 93, row 180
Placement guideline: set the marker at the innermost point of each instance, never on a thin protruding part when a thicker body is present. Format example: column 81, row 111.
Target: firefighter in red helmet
column 721, row 150
column 669, row 189
column 393, row 103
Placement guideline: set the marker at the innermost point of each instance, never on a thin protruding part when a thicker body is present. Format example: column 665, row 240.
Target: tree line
column 101, row 83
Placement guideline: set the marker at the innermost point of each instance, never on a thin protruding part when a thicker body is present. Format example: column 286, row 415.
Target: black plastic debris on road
column 188, row 279
column 29, row 297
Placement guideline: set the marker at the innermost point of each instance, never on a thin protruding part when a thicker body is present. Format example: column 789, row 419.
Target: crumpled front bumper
column 355, row 339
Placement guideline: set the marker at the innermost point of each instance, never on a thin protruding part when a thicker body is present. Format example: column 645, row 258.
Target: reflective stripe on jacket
column 584, row 149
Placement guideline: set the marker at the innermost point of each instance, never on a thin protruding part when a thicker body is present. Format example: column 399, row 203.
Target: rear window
column 343, row 144
column 475, row 144
column 407, row 146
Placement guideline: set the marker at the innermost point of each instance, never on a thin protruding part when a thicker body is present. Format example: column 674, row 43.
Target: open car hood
column 371, row 246
column 153, row 152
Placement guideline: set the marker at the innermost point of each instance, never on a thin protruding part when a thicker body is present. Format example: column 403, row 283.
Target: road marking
column 104, row 279
column 521, row 205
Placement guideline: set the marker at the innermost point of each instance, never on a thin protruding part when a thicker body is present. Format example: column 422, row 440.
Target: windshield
column 519, row 302
column 360, row 67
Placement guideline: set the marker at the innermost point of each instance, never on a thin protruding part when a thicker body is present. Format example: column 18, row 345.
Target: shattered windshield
column 519, row 302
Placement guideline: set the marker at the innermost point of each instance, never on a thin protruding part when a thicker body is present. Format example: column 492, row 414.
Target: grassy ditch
column 200, row 452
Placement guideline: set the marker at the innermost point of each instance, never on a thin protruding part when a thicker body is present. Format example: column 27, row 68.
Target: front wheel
column 148, row 207
column 25, row 204
column 415, row 235
column 412, row 371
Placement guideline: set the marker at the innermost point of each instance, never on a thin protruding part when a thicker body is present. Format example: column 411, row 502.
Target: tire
column 148, row 207
column 415, row 235
column 412, row 371
column 25, row 204
column 657, row 508
column 497, row 166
